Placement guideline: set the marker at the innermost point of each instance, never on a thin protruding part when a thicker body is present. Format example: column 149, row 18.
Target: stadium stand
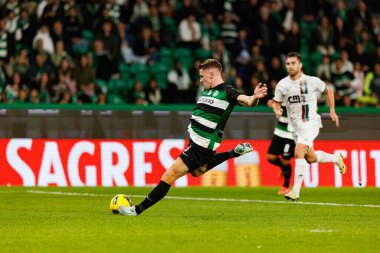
column 130, row 42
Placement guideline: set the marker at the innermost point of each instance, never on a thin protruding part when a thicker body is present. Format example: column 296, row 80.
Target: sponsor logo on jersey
column 206, row 100
column 296, row 99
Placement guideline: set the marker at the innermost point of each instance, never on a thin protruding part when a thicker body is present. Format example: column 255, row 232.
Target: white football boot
column 127, row 210
column 341, row 165
column 292, row 196
column 243, row 148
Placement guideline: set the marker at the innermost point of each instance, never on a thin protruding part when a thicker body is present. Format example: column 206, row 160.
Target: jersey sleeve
column 232, row 94
column 278, row 93
column 318, row 84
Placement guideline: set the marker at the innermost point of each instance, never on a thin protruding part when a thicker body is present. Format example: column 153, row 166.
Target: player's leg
column 287, row 155
column 191, row 159
column 304, row 139
column 274, row 159
column 239, row 150
column 299, row 172
column 286, row 169
column 320, row 156
column 275, row 149
column 177, row 170
column 279, row 153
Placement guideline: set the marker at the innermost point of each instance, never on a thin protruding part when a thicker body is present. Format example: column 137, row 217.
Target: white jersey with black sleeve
column 300, row 98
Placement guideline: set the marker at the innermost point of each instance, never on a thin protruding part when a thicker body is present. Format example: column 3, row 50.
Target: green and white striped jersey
column 281, row 129
column 4, row 45
column 211, row 114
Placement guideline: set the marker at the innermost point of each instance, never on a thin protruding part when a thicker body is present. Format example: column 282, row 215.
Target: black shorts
column 195, row 156
column 282, row 146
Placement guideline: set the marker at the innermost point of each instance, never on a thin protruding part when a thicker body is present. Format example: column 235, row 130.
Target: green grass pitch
column 190, row 220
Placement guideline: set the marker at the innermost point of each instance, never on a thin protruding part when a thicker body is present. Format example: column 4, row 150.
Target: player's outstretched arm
column 331, row 103
column 260, row 92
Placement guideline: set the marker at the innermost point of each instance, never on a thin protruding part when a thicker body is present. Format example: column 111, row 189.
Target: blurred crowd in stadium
column 148, row 52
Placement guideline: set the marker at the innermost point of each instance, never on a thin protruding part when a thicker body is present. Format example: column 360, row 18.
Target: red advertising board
column 103, row 162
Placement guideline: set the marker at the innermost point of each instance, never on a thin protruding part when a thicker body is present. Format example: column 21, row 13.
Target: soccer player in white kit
column 299, row 92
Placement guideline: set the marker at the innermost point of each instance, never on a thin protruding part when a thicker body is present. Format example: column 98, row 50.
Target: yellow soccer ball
column 119, row 200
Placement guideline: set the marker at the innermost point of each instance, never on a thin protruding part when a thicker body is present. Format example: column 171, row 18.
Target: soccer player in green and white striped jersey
column 206, row 130
column 281, row 149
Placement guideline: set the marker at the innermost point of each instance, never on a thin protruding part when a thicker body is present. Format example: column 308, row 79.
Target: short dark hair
column 294, row 54
column 211, row 63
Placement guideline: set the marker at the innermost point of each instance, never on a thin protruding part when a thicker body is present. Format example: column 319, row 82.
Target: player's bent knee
column 299, row 154
column 271, row 158
column 311, row 159
column 198, row 172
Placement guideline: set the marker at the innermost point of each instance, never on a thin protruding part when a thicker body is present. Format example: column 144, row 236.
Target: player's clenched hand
column 278, row 112
column 334, row 117
column 260, row 90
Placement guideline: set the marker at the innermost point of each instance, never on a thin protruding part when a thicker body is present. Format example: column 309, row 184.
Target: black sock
column 219, row 158
column 287, row 172
column 153, row 197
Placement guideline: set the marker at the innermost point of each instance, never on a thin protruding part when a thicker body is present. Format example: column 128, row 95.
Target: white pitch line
column 321, row 231
column 212, row 199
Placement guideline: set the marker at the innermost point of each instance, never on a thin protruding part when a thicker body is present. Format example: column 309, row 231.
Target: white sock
column 301, row 166
column 323, row 157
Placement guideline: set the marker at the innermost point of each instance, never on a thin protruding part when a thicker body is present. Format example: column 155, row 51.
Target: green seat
column 158, row 68
column 162, row 82
column 127, row 79
column 115, row 84
column 88, row 35
column 166, row 52
column 316, row 59
column 166, row 57
column 124, row 71
column 94, row 98
column 308, row 29
column 202, row 54
column 115, row 99
column 160, row 72
column 125, row 76
column 335, row 56
column 304, row 50
column 167, row 61
column 140, row 72
column 119, row 87
column 182, row 52
column 184, row 56
column 79, row 50
column 138, row 68
column 103, row 85
column 123, row 68
column 170, row 25
column 143, row 78
column 308, row 66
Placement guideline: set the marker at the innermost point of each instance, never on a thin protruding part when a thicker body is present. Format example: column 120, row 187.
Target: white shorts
column 306, row 134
